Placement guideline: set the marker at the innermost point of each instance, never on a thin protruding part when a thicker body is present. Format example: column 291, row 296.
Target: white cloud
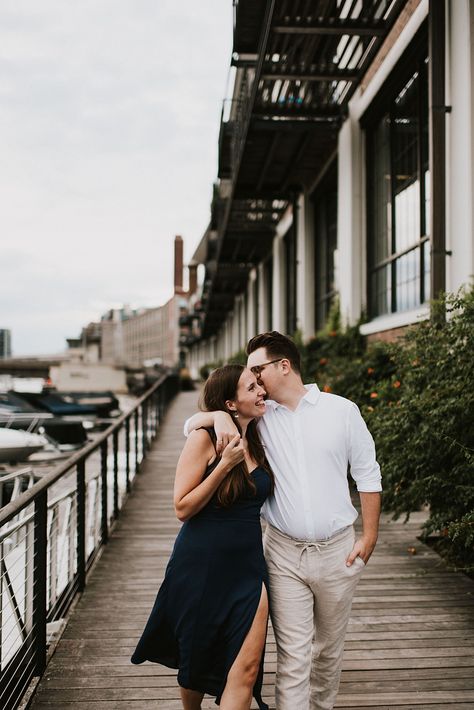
column 110, row 116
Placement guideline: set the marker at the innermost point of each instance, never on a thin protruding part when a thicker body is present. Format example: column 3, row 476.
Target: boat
column 17, row 413
column 17, row 445
column 77, row 404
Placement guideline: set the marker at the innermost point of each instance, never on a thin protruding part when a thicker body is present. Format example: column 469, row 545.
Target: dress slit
column 257, row 691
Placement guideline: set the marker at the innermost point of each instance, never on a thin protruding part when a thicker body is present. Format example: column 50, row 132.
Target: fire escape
column 297, row 65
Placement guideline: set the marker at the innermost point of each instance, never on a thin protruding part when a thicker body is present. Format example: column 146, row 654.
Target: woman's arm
column 191, row 493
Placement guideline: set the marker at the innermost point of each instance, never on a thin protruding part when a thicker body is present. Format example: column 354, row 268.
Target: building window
column 398, row 197
column 268, row 271
column 325, row 244
column 290, row 262
column 255, row 286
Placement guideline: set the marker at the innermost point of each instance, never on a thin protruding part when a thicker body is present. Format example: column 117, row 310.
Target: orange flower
column 373, row 395
column 323, row 361
column 326, row 388
column 333, row 333
column 397, row 384
column 370, row 370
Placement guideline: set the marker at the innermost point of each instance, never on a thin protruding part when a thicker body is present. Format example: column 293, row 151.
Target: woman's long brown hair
column 220, row 386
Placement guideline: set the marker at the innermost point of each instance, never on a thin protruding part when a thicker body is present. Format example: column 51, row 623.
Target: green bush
column 239, row 358
column 425, row 434
column 417, row 397
column 206, row 369
column 185, row 380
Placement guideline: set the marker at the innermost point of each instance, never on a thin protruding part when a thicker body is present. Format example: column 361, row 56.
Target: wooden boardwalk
column 410, row 642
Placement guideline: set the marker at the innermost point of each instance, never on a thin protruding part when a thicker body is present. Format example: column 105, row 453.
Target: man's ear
column 285, row 366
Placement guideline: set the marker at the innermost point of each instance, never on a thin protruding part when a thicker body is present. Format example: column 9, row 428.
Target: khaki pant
column 311, row 591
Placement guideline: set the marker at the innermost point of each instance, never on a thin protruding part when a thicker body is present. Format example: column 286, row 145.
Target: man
column 313, row 558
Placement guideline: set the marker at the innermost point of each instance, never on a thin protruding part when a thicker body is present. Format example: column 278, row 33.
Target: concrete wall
column 460, row 143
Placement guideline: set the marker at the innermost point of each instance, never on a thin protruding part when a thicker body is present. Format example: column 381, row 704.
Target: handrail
column 48, row 550
column 14, row 507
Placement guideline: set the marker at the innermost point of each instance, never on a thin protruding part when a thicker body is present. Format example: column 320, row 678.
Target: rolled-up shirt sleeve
column 186, row 427
column 364, row 467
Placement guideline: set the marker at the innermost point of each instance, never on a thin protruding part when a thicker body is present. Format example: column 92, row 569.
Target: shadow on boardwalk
column 410, row 641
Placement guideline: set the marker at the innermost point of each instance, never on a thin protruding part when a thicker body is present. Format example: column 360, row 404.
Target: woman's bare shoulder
column 199, row 441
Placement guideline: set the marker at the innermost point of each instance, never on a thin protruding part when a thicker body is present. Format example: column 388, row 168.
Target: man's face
column 265, row 369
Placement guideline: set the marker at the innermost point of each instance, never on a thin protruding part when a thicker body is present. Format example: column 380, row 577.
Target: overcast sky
column 109, row 119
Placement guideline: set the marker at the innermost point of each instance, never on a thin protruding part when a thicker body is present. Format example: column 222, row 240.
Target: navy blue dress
column 210, row 594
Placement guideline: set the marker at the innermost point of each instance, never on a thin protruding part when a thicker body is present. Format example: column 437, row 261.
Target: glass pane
column 381, row 197
column 325, row 246
column 405, row 165
column 290, row 252
column 269, row 294
column 425, row 165
column 427, row 202
column 427, row 270
column 408, row 280
column 381, row 290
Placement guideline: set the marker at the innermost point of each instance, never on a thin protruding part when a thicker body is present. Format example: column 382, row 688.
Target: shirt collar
column 312, row 394
column 311, row 397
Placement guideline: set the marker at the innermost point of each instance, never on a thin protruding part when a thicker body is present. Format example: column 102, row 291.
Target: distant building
column 5, row 343
column 130, row 338
column 86, row 348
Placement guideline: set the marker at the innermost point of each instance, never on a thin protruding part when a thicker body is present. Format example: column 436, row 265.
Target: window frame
column 326, row 195
column 416, row 54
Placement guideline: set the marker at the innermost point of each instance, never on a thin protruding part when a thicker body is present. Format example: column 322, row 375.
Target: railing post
column 115, row 445
column 136, row 441
column 103, row 478
column 160, row 404
column 144, row 428
column 1, row 599
column 53, row 535
column 127, row 454
column 81, row 524
column 157, row 410
column 153, row 415
column 39, row 582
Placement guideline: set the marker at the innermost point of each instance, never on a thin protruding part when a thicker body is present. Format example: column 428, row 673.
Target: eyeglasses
column 257, row 369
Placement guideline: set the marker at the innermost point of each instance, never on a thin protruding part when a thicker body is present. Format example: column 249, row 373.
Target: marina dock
column 410, row 642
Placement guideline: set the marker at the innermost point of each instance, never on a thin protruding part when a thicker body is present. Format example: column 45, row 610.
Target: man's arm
column 221, row 422
column 198, row 420
column 366, row 473
column 364, row 546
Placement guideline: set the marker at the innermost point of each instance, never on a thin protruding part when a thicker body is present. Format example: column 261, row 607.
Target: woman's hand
column 225, row 430
column 233, row 453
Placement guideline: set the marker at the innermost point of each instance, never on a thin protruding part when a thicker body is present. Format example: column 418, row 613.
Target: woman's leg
column 237, row 693
column 191, row 699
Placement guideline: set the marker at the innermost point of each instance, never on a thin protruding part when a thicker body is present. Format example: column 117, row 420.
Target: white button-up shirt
column 309, row 450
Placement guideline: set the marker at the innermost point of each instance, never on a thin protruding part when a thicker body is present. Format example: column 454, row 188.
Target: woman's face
column 249, row 402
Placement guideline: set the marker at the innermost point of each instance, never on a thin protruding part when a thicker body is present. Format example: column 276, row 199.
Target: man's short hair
column 276, row 345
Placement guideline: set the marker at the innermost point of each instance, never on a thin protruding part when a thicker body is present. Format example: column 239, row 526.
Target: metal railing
column 51, row 534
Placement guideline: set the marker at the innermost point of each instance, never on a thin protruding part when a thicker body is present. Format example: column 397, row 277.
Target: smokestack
column 192, row 268
column 178, row 264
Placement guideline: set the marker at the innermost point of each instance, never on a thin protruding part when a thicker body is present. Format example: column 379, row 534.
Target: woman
column 210, row 616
